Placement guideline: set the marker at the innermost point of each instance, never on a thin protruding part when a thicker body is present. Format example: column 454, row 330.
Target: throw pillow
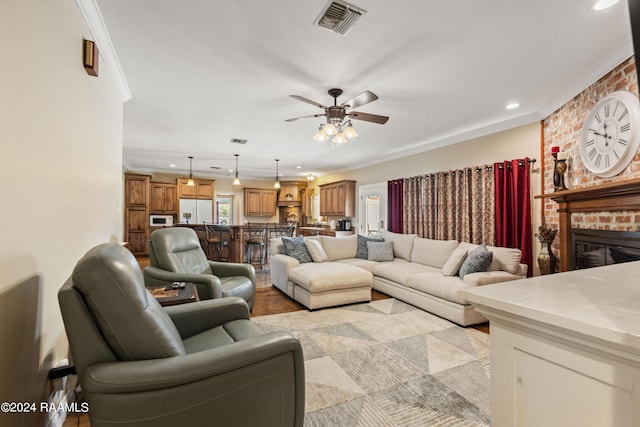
column 362, row 245
column 478, row 259
column 380, row 251
column 453, row 264
column 296, row 248
column 316, row 250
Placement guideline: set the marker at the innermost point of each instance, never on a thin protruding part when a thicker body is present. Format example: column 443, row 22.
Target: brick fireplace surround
column 591, row 202
column 606, row 198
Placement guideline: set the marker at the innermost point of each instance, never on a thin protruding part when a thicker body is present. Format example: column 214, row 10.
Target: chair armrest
column 208, row 285
column 228, row 269
column 196, row 317
column 157, row 374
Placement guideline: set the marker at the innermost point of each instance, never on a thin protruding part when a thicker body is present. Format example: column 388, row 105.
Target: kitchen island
column 565, row 348
column 237, row 238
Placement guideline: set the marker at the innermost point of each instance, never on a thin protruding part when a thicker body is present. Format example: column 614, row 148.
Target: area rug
column 387, row 363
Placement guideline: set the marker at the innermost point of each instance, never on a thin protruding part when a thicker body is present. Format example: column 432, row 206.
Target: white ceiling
column 204, row 71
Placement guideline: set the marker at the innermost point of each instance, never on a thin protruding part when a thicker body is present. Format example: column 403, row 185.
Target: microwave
column 161, row 220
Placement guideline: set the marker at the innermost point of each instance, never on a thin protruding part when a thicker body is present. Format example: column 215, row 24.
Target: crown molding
column 98, row 29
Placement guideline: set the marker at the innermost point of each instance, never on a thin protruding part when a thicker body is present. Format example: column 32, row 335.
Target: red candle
column 555, row 149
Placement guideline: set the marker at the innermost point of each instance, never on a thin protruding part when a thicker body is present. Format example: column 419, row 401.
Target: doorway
column 372, row 216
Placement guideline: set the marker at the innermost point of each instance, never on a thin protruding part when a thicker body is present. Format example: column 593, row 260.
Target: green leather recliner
column 197, row 364
column 175, row 255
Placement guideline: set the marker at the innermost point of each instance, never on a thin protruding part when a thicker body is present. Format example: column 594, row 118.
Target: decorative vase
column 546, row 259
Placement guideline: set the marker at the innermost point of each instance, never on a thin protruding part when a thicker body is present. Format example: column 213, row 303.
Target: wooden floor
column 269, row 300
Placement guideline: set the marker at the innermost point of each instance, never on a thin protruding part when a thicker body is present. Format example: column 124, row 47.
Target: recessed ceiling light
column 172, row 165
column 298, row 167
column 604, row 4
column 512, row 106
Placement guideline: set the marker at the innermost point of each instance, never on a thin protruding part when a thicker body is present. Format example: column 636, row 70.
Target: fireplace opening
column 595, row 248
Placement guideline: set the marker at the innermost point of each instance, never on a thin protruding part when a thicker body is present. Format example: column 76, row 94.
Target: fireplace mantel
column 611, row 197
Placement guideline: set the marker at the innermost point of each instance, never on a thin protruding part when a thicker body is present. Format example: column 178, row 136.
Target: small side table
column 175, row 296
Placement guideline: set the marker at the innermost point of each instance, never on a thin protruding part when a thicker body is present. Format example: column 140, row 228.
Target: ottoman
column 318, row 285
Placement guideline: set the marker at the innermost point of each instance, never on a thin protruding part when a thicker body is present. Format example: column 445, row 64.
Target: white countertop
column 602, row 302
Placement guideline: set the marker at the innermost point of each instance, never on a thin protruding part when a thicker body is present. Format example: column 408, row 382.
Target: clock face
column 611, row 134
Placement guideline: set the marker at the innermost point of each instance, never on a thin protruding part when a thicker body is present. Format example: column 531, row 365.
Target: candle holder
column 559, row 169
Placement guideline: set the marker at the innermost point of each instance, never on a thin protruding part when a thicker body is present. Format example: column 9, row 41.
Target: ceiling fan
column 339, row 112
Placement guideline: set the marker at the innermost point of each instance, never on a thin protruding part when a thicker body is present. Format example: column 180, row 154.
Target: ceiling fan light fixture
column 330, row 129
column 320, row 135
column 349, row 131
column 310, row 177
column 339, row 139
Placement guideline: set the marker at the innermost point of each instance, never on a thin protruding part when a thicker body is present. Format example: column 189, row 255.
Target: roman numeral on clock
column 592, row 153
column 626, row 127
column 622, row 141
column 623, row 115
column 607, row 110
column 598, row 160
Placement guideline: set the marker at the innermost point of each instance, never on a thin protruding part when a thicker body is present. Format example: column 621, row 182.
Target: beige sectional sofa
column 413, row 273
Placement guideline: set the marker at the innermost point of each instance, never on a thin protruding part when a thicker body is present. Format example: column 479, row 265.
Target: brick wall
column 562, row 128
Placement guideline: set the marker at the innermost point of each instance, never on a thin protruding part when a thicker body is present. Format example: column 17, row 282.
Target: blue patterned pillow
column 478, row 259
column 295, row 248
column 362, row 245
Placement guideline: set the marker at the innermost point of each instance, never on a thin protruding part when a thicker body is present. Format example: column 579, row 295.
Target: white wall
column 60, row 183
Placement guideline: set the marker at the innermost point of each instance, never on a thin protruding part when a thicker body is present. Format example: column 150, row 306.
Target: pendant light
column 190, row 183
column 277, row 183
column 236, row 181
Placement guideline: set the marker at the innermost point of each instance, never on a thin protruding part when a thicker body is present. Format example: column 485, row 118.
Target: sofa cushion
column 362, row 245
column 433, row 253
column 340, row 247
column 453, row 264
column 489, row 277
column 505, row 259
column 296, row 248
column 319, row 277
column 402, row 244
column 445, row 287
column 361, row 263
column 478, row 259
column 400, row 271
column 380, row 251
column 316, row 250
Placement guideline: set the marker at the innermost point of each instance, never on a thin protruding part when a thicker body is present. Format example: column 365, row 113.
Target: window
column 224, row 209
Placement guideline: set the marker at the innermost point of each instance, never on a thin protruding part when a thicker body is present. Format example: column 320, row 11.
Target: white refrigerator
column 196, row 211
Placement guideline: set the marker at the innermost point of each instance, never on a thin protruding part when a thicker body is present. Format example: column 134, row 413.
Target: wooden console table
column 612, row 197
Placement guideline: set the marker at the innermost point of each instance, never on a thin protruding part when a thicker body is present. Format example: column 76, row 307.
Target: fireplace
column 595, row 248
column 610, row 197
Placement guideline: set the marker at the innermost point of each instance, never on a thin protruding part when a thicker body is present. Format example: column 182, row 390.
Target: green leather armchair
column 175, row 255
column 198, row 364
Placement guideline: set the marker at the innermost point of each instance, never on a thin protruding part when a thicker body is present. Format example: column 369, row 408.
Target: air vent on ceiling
column 339, row 16
column 215, row 167
column 238, row 141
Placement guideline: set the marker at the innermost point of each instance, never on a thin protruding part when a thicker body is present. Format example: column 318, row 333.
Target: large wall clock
column 611, row 134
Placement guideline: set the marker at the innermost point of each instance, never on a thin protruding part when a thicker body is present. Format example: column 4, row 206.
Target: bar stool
column 256, row 234
column 217, row 237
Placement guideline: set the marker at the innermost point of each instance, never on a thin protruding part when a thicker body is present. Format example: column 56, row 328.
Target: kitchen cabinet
column 260, row 202
column 305, row 195
column 338, row 199
column 136, row 213
column 203, row 189
column 164, row 198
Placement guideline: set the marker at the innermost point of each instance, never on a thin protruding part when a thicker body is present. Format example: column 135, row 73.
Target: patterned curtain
column 456, row 205
column 414, row 206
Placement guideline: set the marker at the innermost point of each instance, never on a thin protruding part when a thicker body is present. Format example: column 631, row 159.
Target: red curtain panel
column 394, row 208
column 512, row 186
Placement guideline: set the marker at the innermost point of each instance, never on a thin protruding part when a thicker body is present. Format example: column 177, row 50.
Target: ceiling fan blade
column 308, row 101
column 305, row 117
column 368, row 117
column 360, row 99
